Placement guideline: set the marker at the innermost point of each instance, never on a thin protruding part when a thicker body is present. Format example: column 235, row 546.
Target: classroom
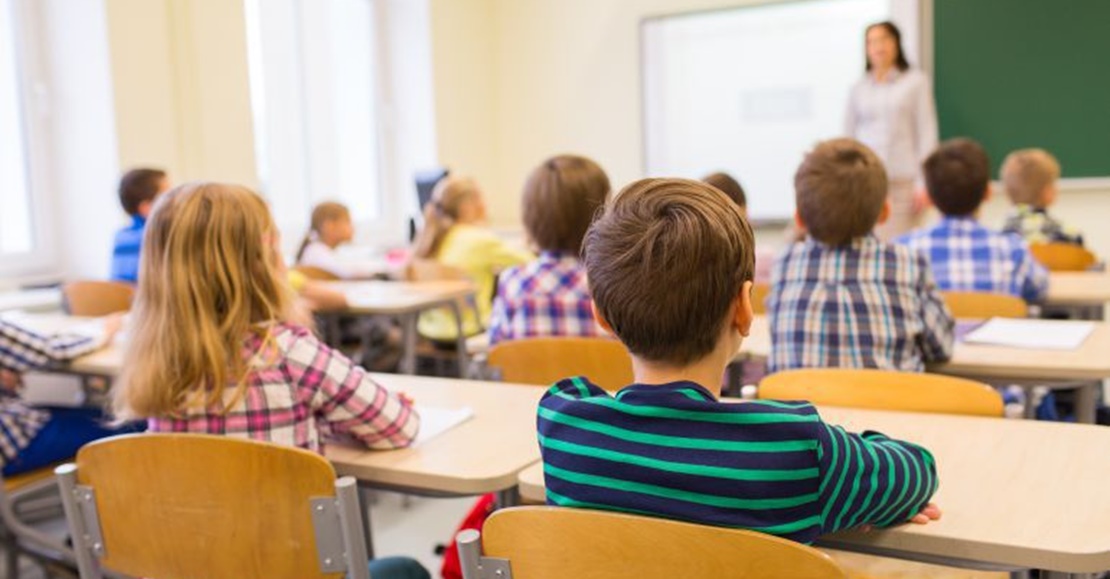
column 545, row 289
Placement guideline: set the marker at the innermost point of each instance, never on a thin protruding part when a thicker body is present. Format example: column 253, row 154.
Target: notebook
column 1033, row 334
column 434, row 420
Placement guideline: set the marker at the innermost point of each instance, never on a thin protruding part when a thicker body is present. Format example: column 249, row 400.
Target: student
column 550, row 297
column 965, row 255
column 842, row 297
column 137, row 190
column 331, row 227
column 211, row 351
column 731, row 187
column 34, row 437
column 670, row 268
column 1030, row 178
column 454, row 236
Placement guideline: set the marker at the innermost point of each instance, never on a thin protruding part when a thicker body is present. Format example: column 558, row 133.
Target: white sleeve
column 850, row 120
column 925, row 120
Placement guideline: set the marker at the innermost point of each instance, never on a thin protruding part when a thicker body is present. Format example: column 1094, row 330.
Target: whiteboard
column 749, row 90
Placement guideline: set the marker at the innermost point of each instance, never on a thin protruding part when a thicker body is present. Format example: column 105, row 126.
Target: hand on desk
column 931, row 512
column 112, row 325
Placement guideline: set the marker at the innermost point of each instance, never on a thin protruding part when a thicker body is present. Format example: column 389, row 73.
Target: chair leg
column 11, row 561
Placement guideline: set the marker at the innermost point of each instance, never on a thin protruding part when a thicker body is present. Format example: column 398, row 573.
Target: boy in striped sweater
column 670, row 266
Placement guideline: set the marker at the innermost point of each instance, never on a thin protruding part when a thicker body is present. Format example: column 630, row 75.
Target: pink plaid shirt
column 299, row 392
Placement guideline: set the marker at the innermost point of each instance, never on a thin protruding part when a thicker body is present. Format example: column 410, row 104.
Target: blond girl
column 330, row 227
column 212, row 350
column 454, row 236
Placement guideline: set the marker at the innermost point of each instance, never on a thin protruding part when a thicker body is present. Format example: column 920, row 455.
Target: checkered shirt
column 864, row 305
column 548, row 297
column 966, row 256
column 300, row 391
column 1037, row 226
column 22, row 349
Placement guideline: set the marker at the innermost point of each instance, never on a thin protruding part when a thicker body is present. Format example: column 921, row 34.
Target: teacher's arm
column 850, row 119
column 926, row 120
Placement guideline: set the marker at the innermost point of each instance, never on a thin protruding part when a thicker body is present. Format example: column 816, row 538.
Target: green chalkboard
column 1027, row 73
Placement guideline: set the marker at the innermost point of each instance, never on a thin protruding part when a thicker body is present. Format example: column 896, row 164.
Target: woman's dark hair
column 900, row 60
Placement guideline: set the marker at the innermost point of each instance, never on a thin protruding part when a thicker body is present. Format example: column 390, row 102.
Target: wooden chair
column 315, row 273
column 96, row 298
column 556, row 543
column 884, row 390
column 759, row 297
column 1062, row 256
column 982, row 305
column 24, row 499
column 545, row 361
column 189, row 505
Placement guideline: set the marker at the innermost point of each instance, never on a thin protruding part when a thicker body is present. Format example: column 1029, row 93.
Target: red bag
column 473, row 520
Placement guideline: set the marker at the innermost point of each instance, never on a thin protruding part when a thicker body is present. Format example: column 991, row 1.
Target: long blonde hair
column 321, row 214
column 210, row 275
column 442, row 213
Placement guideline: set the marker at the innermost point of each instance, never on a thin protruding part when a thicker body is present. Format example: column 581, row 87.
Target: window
column 314, row 70
column 17, row 231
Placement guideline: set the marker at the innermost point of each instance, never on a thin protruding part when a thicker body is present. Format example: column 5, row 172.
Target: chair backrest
column 883, row 390
column 97, row 298
column 545, row 361
column 178, row 506
column 759, row 297
column 1062, row 256
column 555, row 543
column 432, row 270
column 315, row 273
column 985, row 305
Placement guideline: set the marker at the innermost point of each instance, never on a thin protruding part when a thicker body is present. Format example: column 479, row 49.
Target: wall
column 540, row 77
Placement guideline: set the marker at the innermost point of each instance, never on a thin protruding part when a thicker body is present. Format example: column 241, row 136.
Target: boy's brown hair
column 560, row 199
column 840, row 189
column 1026, row 174
column 665, row 261
column 728, row 186
column 957, row 175
column 137, row 186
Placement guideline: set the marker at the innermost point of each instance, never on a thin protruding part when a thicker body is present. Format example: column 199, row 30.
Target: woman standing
column 891, row 110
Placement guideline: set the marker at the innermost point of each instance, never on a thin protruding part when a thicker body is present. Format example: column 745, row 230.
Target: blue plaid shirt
column 966, row 256
column 125, row 253
column 548, row 297
column 868, row 304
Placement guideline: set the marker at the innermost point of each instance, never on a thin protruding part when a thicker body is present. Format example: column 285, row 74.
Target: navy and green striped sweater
column 674, row 451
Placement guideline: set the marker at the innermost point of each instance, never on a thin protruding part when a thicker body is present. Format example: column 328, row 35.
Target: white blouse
column 318, row 254
column 897, row 118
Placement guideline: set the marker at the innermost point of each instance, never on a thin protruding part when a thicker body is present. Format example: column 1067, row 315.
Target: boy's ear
column 798, row 222
column 145, row 208
column 601, row 321
column 742, row 318
column 988, row 194
column 884, row 213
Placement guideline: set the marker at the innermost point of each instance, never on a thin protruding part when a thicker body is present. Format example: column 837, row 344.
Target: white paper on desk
column 56, row 323
column 1033, row 334
column 434, row 420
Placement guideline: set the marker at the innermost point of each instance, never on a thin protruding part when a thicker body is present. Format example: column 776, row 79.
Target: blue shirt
column 966, row 256
column 125, row 253
column 867, row 304
column 675, row 451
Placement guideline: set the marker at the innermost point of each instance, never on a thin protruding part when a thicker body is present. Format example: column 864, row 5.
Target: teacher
column 891, row 110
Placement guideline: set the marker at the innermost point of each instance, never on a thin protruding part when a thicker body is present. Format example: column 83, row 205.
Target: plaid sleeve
column 22, row 349
column 1031, row 275
column 938, row 331
column 871, row 479
column 346, row 398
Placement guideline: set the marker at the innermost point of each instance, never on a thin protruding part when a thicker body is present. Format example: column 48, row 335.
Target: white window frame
column 42, row 261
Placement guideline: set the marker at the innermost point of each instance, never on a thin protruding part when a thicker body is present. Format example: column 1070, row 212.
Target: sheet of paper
column 1032, row 334
column 55, row 323
column 435, row 420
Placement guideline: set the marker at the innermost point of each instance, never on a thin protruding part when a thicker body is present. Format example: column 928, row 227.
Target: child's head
column 1029, row 176
column 454, row 200
column 957, row 176
column 670, row 264
column 560, row 199
column 730, row 187
column 840, row 191
column 331, row 224
column 210, row 275
column 139, row 187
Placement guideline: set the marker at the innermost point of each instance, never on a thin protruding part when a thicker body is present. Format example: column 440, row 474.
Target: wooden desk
column 32, row 300
column 405, row 300
column 482, row 455
column 1010, row 497
column 1089, row 364
column 1086, row 292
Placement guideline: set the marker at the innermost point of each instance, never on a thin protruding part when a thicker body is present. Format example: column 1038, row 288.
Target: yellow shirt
column 481, row 254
